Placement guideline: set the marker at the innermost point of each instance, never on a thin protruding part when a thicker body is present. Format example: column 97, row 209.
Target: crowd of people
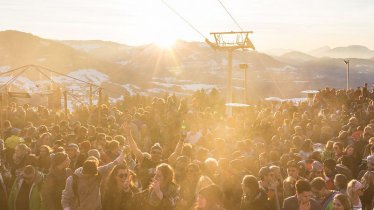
column 174, row 153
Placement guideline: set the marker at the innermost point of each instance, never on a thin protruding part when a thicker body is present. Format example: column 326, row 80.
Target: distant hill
column 19, row 49
column 352, row 51
column 296, row 57
column 187, row 66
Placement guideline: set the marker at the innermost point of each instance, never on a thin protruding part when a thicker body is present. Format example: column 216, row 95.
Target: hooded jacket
column 88, row 190
column 35, row 200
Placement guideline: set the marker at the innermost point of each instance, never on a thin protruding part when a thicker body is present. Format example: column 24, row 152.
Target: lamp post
column 347, row 62
column 244, row 67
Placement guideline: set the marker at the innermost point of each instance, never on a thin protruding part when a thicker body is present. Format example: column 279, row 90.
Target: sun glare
column 165, row 43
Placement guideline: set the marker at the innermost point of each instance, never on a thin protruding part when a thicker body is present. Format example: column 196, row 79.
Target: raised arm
column 177, row 152
column 133, row 146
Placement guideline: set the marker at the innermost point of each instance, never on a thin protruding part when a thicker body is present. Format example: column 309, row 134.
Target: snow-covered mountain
column 184, row 68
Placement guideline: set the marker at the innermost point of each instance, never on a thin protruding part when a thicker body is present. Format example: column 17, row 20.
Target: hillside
column 186, row 67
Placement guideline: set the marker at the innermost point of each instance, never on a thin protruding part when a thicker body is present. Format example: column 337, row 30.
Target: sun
column 165, row 43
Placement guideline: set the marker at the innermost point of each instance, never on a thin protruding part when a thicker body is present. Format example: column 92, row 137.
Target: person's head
column 94, row 152
column 340, row 182
column 84, row 146
column 329, row 145
column 349, row 150
column 329, row 167
column 341, row 202
column 211, row 165
column 164, row 174
column 72, row 150
column 60, row 160
column 209, row 197
column 292, row 169
column 250, row 186
column 156, row 152
column 319, row 187
column 45, row 138
column 266, row 175
column 193, row 171
column 90, row 167
column 338, row 148
column 118, row 176
column 113, row 146
column 21, row 150
column 44, row 151
column 29, row 174
column 354, row 189
column 370, row 162
column 303, row 191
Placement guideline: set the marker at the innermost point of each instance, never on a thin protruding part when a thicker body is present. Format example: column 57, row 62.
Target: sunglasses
column 121, row 176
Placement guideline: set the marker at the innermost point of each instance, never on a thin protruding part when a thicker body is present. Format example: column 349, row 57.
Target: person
column 119, row 189
column 354, row 190
column 44, row 159
column 25, row 192
column 322, row 194
column 340, row 182
column 341, row 202
column 368, row 197
column 82, row 189
column 267, row 183
column 163, row 192
column 5, row 182
column 253, row 198
column 290, row 181
column 210, row 198
column 75, row 156
column 302, row 200
column 55, row 181
column 317, row 170
column 188, row 186
column 21, row 152
column 146, row 166
column 369, row 166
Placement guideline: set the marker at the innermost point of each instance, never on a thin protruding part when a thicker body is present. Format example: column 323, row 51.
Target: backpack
column 76, row 184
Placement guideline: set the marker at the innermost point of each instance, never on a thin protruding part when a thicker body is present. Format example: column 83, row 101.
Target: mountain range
column 187, row 66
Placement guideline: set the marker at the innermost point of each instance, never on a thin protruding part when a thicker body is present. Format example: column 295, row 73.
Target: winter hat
column 94, row 153
column 90, row 167
column 59, row 158
column 73, row 146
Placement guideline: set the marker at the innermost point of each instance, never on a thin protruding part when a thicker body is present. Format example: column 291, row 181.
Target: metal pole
column 90, row 96
column 66, row 104
column 246, row 85
column 229, row 82
column 99, row 106
column 348, row 75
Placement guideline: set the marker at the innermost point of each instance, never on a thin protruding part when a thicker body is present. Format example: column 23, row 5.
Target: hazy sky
column 295, row 24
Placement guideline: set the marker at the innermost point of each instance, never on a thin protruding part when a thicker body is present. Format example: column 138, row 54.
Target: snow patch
column 87, row 75
column 41, row 59
column 4, row 68
column 124, row 63
column 195, row 87
column 167, row 85
column 85, row 46
column 132, row 89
